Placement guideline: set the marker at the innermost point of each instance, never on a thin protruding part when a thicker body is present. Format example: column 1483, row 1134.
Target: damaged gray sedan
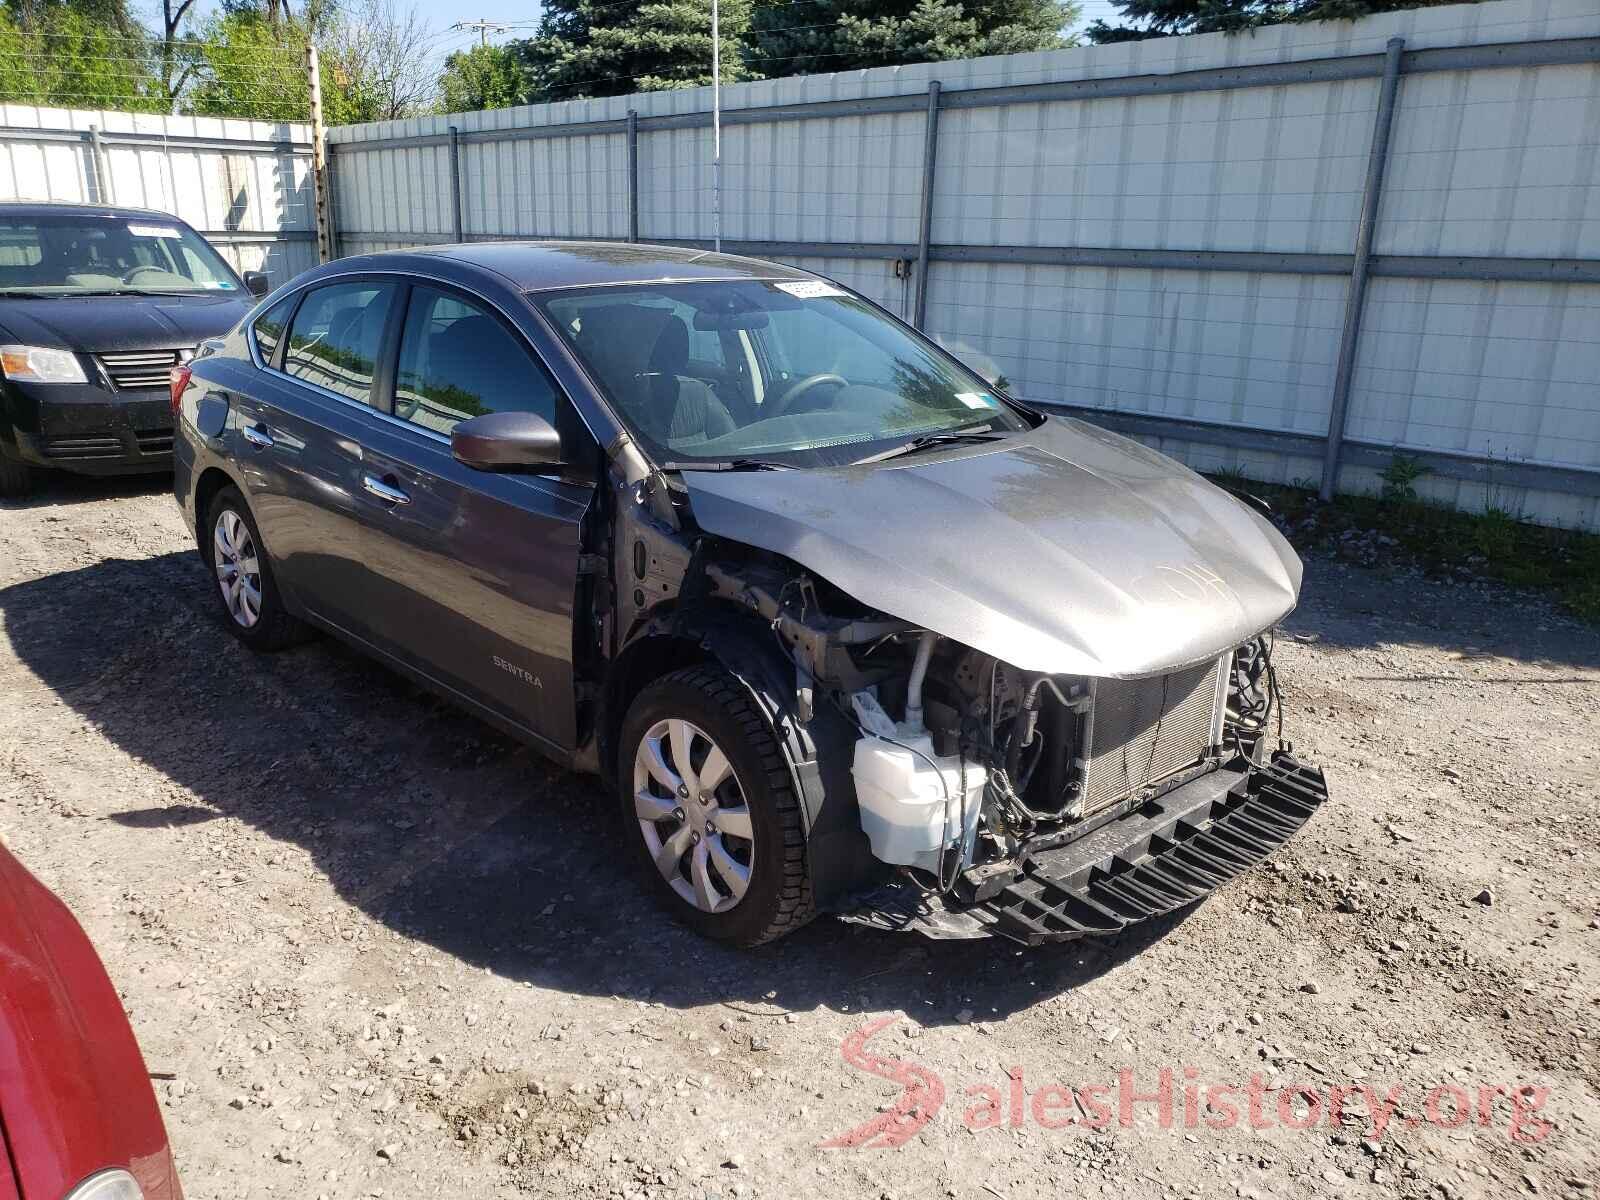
column 842, row 627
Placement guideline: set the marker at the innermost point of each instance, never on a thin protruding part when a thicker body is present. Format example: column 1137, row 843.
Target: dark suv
column 842, row 626
column 96, row 306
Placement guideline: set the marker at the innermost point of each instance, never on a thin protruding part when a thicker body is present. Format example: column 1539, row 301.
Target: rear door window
column 457, row 361
column 336, row 336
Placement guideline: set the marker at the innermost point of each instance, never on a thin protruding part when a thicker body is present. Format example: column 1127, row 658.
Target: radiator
column 1142, row 730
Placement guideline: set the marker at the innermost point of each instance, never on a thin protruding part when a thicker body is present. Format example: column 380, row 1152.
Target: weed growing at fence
column 1493, row 544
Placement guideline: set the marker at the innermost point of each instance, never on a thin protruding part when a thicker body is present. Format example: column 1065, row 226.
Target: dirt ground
column 383, row 951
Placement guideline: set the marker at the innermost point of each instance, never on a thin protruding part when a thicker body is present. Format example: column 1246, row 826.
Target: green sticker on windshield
column 976, row 399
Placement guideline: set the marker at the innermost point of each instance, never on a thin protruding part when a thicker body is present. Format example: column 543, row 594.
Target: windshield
column 798, row 372
column 72, row 253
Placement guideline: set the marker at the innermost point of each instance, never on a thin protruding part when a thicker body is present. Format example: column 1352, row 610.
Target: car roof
column 46, row 208
column 543, row 266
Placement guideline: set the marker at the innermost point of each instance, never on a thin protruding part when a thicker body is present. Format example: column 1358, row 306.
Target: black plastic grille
column 1168, row 871
column 83, row 447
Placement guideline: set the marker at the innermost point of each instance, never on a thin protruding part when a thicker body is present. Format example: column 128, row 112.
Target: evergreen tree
column 812, row 36
column 612, row 47
column 1161, row 18
column 482, row 77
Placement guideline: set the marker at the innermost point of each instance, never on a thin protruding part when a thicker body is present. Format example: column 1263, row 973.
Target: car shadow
column 440, row 828
column 53, row 488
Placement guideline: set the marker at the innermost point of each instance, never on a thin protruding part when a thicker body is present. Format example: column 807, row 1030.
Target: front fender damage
column 945, row 789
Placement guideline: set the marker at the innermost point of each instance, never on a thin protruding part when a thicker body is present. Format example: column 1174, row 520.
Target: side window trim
column 380, row 397
column 276, row 362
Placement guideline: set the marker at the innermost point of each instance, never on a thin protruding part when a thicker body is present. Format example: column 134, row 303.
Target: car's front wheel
column 251, row 603
column 16, row 479
column 709, row 803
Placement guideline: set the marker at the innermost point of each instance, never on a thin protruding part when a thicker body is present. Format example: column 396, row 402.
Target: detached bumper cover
column 1172, row 852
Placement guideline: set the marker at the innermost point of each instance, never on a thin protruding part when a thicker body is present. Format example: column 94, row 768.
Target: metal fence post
column 633, row 175
column 930, row 147
column 455, row 183
column 97, row 156
column 1355, row 300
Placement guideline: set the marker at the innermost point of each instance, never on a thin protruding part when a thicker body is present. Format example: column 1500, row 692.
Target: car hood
column 1068, row 549
column 106, row 324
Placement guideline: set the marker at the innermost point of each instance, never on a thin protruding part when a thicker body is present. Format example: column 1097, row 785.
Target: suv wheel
column 708, row 801
column 16, row 479
column 251, row 605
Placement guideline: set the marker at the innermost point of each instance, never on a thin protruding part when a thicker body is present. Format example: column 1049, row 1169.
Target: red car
column 78, row 1118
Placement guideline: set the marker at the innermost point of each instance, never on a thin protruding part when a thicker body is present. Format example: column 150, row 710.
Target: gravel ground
column 383, row 951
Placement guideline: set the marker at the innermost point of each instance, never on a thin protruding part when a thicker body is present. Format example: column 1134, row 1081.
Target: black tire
column 16, row 479
column 778, row 899
column 274, row 627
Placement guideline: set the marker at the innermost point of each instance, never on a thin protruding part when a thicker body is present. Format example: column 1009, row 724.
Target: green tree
column 812, row 36
column 612, row 47
column 110, row 15
column 244, row 65
column 482, row 77
column 73, row 56
column 1162, row 18
column 249, row 61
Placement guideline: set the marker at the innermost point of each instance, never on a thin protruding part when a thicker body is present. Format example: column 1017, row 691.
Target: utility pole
column 716, row 128
column 319, row 159
column 483, row 27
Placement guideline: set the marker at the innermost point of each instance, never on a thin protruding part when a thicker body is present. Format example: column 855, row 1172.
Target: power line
column 482, row 28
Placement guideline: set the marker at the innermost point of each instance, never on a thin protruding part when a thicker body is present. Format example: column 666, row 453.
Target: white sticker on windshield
column 159, row 231
column 976, row 399
column 811, row 289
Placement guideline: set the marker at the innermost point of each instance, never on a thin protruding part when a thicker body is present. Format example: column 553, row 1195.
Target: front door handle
column 384, row 491
column 257, row 435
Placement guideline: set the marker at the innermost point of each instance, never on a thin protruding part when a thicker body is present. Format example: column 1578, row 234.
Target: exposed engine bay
column 965, row 767
column 949, row 790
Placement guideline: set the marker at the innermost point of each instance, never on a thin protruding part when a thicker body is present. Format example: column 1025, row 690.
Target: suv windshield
column 74, row 253
column 798, row 372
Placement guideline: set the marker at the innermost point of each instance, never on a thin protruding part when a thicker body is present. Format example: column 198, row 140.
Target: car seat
column 641, row 355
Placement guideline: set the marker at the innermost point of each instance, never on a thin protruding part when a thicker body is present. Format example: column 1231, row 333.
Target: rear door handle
column 383, row 491
column 257, row 435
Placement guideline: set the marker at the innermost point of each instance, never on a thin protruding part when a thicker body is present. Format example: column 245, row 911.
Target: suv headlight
column 41, row 364
column 115, row 1184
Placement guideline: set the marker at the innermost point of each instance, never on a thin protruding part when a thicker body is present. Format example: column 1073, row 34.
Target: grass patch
column 1398, row 527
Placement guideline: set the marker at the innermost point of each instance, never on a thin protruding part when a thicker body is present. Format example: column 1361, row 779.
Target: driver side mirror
column 506, row 441
column 257, row 283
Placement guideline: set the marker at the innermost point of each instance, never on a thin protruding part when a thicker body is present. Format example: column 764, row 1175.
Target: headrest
column 619, row 342
column 671, row 354
column 466, row 343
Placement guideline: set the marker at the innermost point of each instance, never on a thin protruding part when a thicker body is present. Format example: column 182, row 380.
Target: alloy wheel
column 238, row 568
column 693, row 814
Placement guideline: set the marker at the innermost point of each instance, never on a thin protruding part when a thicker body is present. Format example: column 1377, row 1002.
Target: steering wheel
column 800, row 387
column 142, row 270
